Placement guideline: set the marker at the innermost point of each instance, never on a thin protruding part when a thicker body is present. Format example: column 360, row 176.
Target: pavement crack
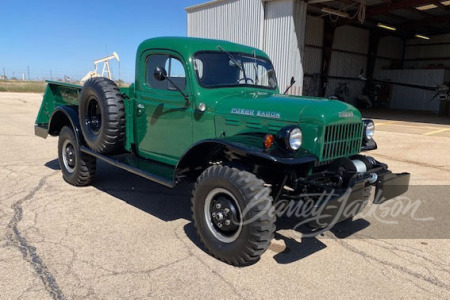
column 29, row 254
column 192, row 254
column 417, row 163
column 433, row 280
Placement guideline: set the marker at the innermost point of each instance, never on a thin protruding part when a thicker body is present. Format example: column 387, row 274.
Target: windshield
column 224, row 69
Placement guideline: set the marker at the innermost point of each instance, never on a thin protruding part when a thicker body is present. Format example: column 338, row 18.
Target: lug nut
column 213, row 215
column 227, row 222
column 226, row 210
column 218, row 206
column 219, row 225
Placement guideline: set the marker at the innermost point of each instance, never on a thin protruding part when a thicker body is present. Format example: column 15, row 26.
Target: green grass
column 22, row 86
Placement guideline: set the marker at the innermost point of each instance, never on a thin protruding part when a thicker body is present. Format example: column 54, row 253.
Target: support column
column 328, row 38
column 374, row 41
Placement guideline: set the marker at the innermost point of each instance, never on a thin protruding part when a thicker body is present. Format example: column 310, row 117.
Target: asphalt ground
column 125, row 237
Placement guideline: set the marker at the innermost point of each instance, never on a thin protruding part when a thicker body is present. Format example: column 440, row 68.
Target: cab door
column 163, row 116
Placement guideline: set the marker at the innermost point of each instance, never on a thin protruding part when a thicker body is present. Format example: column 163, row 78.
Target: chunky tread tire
column 111, row 136
column 85, row 166
column 255, row 236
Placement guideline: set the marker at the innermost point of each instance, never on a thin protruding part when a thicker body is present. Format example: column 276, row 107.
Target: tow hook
column 373, row 178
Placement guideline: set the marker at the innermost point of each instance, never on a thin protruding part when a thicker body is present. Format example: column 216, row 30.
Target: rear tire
column 102, row 115
column 78, row 168
column 231, row 212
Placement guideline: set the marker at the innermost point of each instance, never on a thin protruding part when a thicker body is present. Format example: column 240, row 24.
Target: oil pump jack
column 105, row 70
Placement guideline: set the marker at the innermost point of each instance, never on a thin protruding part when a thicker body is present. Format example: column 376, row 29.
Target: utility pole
column 4, row 73
column 28, row 71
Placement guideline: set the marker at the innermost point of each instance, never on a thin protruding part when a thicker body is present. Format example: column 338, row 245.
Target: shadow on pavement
column 172, row 204
column 53, row 164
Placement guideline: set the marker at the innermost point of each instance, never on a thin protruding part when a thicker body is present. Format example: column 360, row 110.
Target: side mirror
column 160, row 73
column 290, row 85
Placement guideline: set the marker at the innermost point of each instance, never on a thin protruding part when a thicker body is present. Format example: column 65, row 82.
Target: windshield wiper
column 234, row 61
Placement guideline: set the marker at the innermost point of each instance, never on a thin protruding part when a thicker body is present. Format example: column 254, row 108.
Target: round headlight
column 369, row 130
column 295, row 139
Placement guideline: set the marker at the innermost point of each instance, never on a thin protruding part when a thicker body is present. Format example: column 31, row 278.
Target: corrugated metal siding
column 347, row 64
column 427, row 51
column 278, row 27
column 281, row 42
column 413, row 52
column 418, row 64
column 235, row 20
column 312, row 60
column 390, row 46
column 343, row 64
column 314, row 31
column 312, row 56
column 414, row 98
column 351, row 38
column 381, row 64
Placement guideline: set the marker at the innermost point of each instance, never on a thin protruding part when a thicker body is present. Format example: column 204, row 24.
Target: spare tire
column 102, row 115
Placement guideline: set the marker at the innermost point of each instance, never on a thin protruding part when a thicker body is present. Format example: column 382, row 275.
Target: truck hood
column 289, row 109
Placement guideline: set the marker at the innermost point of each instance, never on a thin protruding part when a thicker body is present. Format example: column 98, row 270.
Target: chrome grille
column 342, row 140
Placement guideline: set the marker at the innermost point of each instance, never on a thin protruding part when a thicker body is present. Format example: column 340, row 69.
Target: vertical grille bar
column 341, row 140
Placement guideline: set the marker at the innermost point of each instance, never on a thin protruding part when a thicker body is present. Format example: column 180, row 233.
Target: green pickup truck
column 211, row 112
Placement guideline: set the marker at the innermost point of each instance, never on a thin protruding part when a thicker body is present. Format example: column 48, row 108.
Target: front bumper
column 338, row 203
column 390, row 185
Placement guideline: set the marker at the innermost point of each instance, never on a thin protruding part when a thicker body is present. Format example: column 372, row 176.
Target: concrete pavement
column 126, row 237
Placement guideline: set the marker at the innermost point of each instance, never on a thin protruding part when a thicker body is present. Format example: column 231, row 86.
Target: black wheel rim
column 94, row 116
column 223, row 215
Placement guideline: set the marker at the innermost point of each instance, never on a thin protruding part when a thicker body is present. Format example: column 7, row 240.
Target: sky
column 65, row 37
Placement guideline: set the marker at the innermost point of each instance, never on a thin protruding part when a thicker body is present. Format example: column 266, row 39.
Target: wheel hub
column 224, row 214
column 94, row 116
column 69, row 156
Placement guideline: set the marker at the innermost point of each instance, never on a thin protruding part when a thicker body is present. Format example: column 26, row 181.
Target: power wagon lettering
column 259, row 113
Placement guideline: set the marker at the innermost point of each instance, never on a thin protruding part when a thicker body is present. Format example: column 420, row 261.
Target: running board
column 149, row 169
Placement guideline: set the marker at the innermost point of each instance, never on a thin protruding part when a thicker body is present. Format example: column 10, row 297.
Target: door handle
column 140, row 109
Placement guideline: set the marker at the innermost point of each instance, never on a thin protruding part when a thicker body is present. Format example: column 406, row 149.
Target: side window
column 174, row 68
column 175, row 71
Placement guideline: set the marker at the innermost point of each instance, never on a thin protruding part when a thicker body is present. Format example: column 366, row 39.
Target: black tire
column 252, row 226
column 78, row 168
column 102, row 115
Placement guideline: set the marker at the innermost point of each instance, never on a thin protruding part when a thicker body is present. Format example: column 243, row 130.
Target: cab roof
column 188, row 46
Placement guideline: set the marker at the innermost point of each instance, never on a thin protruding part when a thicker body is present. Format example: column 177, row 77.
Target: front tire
column 231, row 212
column 78, row 168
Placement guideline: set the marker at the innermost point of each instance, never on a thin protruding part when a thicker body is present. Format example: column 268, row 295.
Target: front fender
column 244, row 146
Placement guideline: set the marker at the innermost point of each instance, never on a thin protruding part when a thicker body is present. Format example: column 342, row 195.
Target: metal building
column 402, row 45
column 276, row 27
